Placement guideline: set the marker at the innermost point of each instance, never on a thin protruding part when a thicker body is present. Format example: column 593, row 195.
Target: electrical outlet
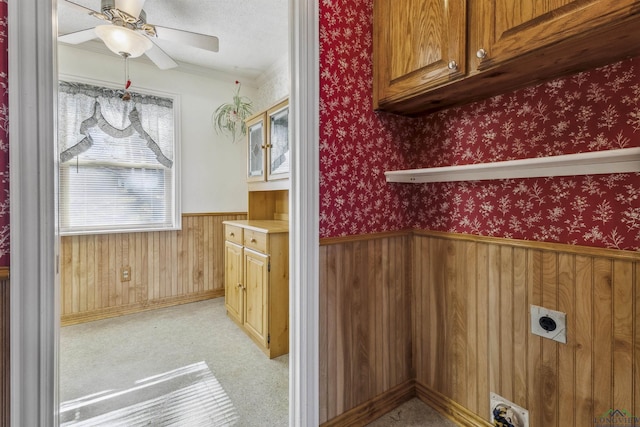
column 510, row 413
column 125, row 274
column 549, row 324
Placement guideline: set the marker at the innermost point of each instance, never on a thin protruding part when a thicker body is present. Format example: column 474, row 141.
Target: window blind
column 116, row 161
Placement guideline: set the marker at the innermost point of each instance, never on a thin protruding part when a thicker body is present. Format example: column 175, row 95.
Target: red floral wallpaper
column 4, row 137
column 595, row 110
column 590, row 111
column 356, row 145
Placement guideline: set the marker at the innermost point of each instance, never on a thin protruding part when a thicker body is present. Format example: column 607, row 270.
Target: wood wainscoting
column 5, row 374
column 166, row 268
column 466, row 300
column 365, row 325
column 471, row 326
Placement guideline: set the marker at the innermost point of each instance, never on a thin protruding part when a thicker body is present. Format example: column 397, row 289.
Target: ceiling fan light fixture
column 123, row 41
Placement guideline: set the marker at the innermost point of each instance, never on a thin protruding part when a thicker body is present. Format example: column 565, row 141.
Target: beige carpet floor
column 185, row 366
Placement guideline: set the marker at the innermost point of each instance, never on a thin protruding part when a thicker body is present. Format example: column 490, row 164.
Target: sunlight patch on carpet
column 190, row 395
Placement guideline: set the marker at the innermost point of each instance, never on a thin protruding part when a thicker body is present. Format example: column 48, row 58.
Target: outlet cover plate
column 559, row 334
column 522, row 413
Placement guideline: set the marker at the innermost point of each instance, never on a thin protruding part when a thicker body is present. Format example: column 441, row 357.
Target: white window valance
column 117, row 161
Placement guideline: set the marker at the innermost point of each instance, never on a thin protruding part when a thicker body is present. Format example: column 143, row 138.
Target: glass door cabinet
column 268, row 144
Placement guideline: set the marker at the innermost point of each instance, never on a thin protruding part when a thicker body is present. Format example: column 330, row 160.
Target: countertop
column 261, row 225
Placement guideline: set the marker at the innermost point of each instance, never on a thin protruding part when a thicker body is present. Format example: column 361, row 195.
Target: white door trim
column 34, row 291
column 34, row 313
column 304, row 232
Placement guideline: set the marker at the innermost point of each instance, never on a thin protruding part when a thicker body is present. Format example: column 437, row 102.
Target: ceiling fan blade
column 85, row 10
column 78, row 37
column 78, row 7
column 201, row 41
column 160, row 58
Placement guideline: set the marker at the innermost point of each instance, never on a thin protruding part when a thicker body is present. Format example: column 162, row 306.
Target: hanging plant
column 229, row 117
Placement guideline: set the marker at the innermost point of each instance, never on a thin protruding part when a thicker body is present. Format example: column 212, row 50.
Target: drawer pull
column 254, row 241
column 232, row 234
column 240, row 285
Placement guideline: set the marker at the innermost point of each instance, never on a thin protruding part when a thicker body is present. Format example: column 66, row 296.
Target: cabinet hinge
column 268, row 338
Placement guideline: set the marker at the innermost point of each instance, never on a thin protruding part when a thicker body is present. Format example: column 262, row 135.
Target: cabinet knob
column 254, row 241
column 232, row 234
column 240, row 285
column 481, row 53
column 453, row 65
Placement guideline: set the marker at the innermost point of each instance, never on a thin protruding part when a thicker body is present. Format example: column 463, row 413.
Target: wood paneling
column 363, row 414
column 365, row 326
column 4, row 352
column 269, row 205
column 166, row 268
column 468, row 307
column 449, row 407
column 471, row 326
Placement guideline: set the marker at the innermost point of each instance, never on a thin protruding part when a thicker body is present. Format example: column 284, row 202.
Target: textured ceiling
column 253, row 34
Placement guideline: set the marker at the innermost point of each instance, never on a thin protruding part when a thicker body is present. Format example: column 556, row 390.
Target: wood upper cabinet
column 433, row 54
column 278, row 141
column 418, row 45
column 268, row 147
column 514, row 28
column 256, row 144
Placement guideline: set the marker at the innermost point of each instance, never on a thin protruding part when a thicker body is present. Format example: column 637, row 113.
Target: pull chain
column 126, row 96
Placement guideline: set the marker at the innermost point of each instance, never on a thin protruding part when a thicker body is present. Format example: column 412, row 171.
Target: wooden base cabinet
column 233, row 281
column 257, row 281
column 256, row 273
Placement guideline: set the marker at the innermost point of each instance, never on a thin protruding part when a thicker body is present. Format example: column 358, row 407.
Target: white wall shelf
column 592, row 163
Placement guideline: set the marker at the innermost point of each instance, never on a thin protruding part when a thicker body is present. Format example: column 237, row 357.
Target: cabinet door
column 233, row 293
column 278, row 142
column 256, row 141
column 256, row 275
column 418, row 45
column 512, row 28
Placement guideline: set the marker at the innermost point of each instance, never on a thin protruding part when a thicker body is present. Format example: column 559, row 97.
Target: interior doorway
column 90, row 286
column 33, row 266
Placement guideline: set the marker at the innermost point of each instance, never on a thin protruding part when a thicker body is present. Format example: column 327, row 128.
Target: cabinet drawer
column 233, row 234
column 255, row 240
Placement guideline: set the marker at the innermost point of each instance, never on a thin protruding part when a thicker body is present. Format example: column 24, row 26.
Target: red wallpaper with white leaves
column 4, row 137
column 594, row 110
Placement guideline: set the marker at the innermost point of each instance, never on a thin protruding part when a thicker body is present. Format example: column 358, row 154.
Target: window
column 118, row 168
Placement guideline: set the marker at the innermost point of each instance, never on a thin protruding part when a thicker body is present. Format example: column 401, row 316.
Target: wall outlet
column 125, row 274
column 508, row 413
column 549, row 323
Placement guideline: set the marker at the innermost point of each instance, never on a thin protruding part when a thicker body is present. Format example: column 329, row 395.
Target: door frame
column 34, row 239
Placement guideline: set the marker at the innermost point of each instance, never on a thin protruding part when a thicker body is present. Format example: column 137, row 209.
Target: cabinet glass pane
column 256, row 161
column 279, row 140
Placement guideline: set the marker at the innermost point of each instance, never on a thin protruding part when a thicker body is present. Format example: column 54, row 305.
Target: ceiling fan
column 127, row 33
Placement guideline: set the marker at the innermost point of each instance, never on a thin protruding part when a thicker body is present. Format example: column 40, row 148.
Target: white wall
column 273, row 85
column 213, row 168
